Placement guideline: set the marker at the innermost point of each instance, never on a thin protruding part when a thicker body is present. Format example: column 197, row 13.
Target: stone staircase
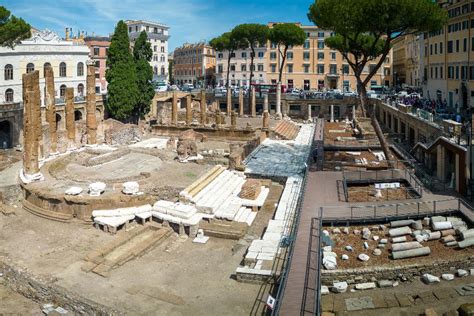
column 124, row 248
column 286, row 130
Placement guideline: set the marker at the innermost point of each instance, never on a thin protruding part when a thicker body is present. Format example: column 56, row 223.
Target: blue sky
column 190, row 20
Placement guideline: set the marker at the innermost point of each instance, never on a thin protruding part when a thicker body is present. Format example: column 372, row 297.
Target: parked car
column 161, row 87
column 188, row 87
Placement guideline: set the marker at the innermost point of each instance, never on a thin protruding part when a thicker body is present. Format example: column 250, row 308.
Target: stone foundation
column 395, row 273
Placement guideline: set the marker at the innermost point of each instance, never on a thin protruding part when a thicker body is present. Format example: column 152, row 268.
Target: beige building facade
column 446, row 57
column 314, row 66
column 194, row 63
column 406, row 61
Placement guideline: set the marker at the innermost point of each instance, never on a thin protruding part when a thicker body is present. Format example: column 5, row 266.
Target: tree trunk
column 364, row 102
column 283, row 59
column 228, row 69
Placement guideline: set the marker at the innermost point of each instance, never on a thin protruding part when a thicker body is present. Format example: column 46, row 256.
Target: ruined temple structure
column 51, row 108
column 70, row 124
column 91, row 118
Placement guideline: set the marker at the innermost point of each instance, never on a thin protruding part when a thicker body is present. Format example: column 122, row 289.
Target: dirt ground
column 12, row 303
column 438, row 250
column 366, row 193
column 9, row 157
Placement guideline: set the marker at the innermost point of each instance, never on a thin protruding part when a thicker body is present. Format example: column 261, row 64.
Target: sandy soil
column 365, row 193
column 12, row 303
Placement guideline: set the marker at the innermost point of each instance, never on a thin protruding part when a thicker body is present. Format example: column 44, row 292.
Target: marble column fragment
column 91, row 118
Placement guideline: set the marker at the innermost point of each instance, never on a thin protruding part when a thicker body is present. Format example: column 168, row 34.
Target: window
column 273, row 55
column 9, row 95
column 220, row 55
column 96, row 51
column 441, row 47
column 290, row 84
column 372, row 67
column 471, row 73
column 273, row 67
column 306, row 69
column 62, row 91
column 97, row 64
column 321, row 34
column 261, row 54
column 244, row 55
column 147, row 28
column 320, row 68
column 155, row 48
column 373, row 82
column 289, row 55
column 62, row 69
column 8, row 72
column 232, row 67
column 30, row 67
column 320, row 44
column 345, row 69
column 243, row 67
column 220, row 69
column 441, row 72
column 333, row 55
column 450, row 47
column 260, row 67
column 162, row 70
column 465, row 45
column 320, row 56
column 306, row 44
column 290, row 68
column 333, row 69
column 97, row 76
column 80, row 90
column 129, row 29
column 232, row 55
column 162, row 49
column 457, row 72
column 457, row 46
column 162, row 58
column 80, row 69
column 305, row 55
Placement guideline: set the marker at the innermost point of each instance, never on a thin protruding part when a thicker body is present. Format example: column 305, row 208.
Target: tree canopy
column 142, row 54
column 12, row 29
column 227, row 42
column 251, row 35
column 121, row 75
column 285, row 35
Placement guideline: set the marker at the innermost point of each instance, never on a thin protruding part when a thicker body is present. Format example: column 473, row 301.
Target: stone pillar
column 203, row 108
column 51, row 108
column 440, row 161
column 266, row 120
column 353, row 112
column 229, row 101
column 233, row 120
column 278, row 100
column 241, row 102
column 310, row 117
column 253, row 103
column 70, row 124
column 91, row 118
column 189, row 109
column 265, row 103
column 31, row 122
column 332, row 112
column 218, row 119
column 174, row 109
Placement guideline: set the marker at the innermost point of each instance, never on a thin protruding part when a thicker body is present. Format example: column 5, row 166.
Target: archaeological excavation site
column 222, row 206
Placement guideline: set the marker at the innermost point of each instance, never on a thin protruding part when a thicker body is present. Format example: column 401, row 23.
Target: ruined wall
column 44, row 291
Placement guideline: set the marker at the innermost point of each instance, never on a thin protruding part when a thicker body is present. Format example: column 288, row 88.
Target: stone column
column 310, row 117
column 266, row 120
column 265, row 103
column 189, row 109
column 70, row 124
column 278, row 100
column 253, row 103
column 218, row 119
column 91, row 118
column 174, row 109
column 51, row 108
column 31, row 122
column 233, row 120
column 440, row 162
column 203, row 108
column 332, row 112
column 229, row 101
column 353, row 112
column 241, row 102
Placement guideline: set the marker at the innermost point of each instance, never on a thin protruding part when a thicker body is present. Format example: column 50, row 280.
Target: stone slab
column 359, row 303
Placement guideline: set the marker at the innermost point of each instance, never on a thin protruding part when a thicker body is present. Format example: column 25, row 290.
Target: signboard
column 270, row 302
column 394, row 185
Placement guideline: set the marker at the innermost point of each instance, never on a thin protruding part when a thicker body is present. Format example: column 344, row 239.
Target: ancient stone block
column 250, row 189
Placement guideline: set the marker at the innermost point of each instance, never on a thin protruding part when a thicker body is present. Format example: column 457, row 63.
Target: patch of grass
column 190, row 174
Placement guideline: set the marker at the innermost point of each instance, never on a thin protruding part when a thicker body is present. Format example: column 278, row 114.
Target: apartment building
column 194, row 63
column 314, row 66
column 158, row 35
column 406, row 61
column 99, row 46
column 448, row 72
column 240, row 67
